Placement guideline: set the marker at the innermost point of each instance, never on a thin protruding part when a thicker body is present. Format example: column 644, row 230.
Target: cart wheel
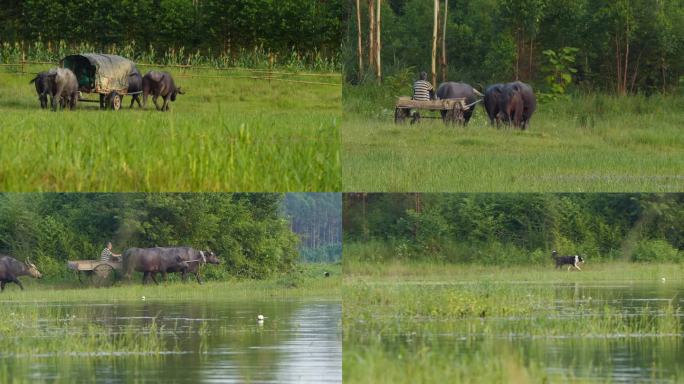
column 400, row 115
column 103, row 275
column 114, row 101
column 415, row 117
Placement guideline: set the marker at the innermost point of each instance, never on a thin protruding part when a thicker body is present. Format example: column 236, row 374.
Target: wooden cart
column 106, row 75
column 451, row 109
column 96, row 272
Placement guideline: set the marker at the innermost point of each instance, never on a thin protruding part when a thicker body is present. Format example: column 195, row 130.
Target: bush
column 656, row 251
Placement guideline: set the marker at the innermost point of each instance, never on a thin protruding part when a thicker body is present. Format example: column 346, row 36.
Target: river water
column 299, row 341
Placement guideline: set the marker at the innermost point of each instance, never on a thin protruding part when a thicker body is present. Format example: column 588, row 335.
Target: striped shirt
column 106, row 255
column 421, row 90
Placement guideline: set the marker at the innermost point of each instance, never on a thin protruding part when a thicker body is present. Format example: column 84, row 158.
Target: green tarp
column 100, row 73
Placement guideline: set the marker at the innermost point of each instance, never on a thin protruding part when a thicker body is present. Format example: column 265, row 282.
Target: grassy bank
column 584, row 144
column 229, row 132
column 428, row 322
column 309, row 282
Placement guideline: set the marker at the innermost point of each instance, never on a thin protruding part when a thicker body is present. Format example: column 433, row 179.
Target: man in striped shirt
column 107, row 253
column 422, row 89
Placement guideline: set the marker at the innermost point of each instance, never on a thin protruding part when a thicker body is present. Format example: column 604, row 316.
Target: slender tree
column 434, row 44
column 378, row 44
column 371, row 34
column 444, row 58
column 359, row 48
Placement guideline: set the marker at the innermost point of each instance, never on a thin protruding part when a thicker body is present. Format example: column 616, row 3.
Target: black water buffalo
column 11, row 269
column 517, row 104
column 492, row 101
column 453, row 90
column 62, row 84
column 42, row 88
column 150, row 261
column 135, row 85
column 159, row 84
column 193, row 257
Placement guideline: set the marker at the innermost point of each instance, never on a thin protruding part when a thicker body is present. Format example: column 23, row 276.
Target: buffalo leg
column 56, row 98
column 197, row 276
column 154, row 98
column 165, row 107
column 154, row 278
column 16, row 281
column 2, row 285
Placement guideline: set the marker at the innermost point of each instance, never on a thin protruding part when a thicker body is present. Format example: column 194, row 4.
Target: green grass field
column 586, row 144
column 228, row 132
column 423, row 322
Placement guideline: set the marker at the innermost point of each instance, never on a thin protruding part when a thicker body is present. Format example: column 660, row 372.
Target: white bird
column 260, row 318
column 142, row 298
column 662, row 279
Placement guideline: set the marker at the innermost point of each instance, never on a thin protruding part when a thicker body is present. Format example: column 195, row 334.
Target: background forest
column 175, row 31
column 255, row 235
column 504, row 229
column 623, row 46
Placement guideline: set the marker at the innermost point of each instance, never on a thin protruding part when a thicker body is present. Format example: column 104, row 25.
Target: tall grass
column 586, row 143
column 227, row 132
column 256, row 58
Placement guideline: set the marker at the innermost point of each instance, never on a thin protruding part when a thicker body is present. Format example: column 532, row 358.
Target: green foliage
column 493, row 41
column 279, row 29
column 656, row 251
column 508, row 229
column 559, row 68
column 245, row 230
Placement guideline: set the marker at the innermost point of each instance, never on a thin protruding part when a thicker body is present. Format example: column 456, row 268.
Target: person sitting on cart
column 422, row 89
column 107, row 254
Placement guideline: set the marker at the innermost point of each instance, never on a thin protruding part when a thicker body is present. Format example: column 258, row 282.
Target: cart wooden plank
column 434, row 105
column 89, row 265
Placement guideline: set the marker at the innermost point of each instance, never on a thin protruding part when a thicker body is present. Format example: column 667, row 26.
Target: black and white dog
column 570, row 261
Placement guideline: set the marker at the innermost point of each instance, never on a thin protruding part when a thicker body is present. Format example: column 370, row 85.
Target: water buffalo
column 150, row 261
column 11, row 269
column 517, row 104
column 452, row 90
column 194, row 258
column 159, row 84
column 42, row 88
column 135, row 85
column 62, row 84
column 492, row 100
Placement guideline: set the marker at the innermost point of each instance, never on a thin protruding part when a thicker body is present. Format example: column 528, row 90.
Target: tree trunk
column 371, row 36
column 625, row 68
column 530, row 75
column 444, row 58
column 618, row 74
column 359, row 48
column 434, row 44
column 378, row 44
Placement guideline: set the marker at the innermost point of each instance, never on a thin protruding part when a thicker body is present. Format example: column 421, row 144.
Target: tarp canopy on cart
column 100, row 73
